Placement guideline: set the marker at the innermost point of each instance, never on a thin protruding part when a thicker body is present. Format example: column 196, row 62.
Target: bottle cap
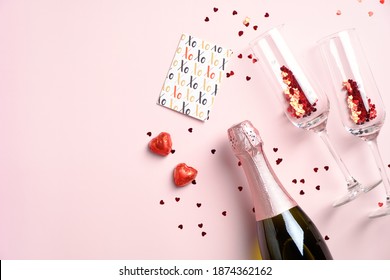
column 244, row 137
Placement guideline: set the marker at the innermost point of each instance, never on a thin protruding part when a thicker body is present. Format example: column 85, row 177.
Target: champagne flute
column 303, row 102
column 360, row 104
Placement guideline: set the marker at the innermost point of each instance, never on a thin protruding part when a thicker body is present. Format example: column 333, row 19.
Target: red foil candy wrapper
column 299, row 105
column 360, row 112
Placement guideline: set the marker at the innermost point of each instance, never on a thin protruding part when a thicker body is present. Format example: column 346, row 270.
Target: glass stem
column 325, row 137
column 378, row 159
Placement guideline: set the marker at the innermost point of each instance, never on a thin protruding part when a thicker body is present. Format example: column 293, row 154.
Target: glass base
column 354, row 192
column 383, row 211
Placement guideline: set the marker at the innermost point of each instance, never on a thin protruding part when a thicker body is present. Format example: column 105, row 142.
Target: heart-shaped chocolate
column 183, row 174
column 161, row 144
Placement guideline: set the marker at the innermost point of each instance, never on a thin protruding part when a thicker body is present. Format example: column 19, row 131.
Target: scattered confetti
column 248, row 78
column 177, row 199
column 294, row 181
column 162, row 202
column 388, row 165
column 254, row 60
column 253, row 210
column 234, row 12
column 370, row 13
column 199, row 204
column 338, row 12
column 224, row 213
column 239, row 163
column 213, row 151
column 240, row 55
column 275, row 149
column 318, row 187
column 302, row 181
column 240, row 188
column 206, row 19
column 255, row 27
column 266, row 15
column 326, row 168
column 240, row 33
column 246, row 21
column 190, row 130
column 193, row 182
column 380, row 204
column 315, row 169
column 278, row 161
column 250, row 56
column 149, row 134
column 215, row 10
column 301, row 192
column 180, row 226
column 173, row 151
column 231, row 73
column 200, row 225
column 326, row 237
column 203, row 233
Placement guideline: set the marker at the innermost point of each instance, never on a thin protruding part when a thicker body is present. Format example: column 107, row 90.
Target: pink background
column 79, row 81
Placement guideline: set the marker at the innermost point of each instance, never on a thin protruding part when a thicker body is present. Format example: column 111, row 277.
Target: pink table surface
column 79, row 81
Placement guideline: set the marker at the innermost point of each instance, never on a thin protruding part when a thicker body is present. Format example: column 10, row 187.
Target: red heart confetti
column 370, row 13
column 338, row 12
column 173, row 151
column 193, row 182
column 177, row 199
column 326, row 237
column 180, row 226
column 302, row 181
column 253, row 210
column 388, row 165
column 275, row 149
column 301, row 192
column 240, row 55
column 224, row 213
column 254, row 60
column 239, row 163
column 240, row 188
column 149, row 134
column 278, row 161
column 161, row 144
column 248, row 78
column 200, row 225
column 215, row 10
column 315, row 169
column 206, row 19
column 199, row 204
column 234, row 13
column 294, row 181
column 250, row 56
column 326, row 168
column 255, row 27
column 246, row 24
column 380, row 204
column 190, row 130
column 246, row 21
column 203, row 233
column 162, row 202
column 382, row 1
column 213, row 151
column 183, row 174
column 266, row 15
column 240, row 33
column 318, row 187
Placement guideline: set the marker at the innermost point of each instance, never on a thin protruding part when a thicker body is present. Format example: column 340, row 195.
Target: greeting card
column 194, row 77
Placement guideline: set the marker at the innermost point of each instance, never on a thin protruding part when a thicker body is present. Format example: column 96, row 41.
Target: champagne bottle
column 284, row 231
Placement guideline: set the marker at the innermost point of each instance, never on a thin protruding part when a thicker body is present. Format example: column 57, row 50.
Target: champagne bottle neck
column 268, row 194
